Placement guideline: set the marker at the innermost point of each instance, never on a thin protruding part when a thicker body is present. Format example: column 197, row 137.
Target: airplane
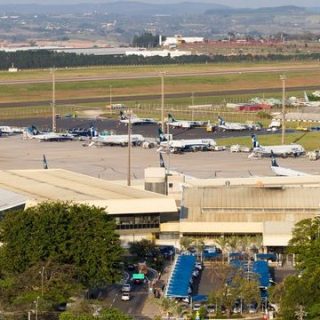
column 309, row 103
column 233, row 126
column 33, row 133
column 286, row 172
column 184, row 145
column 277, row 150
column 118, row 140
column 183, row 123
column 82, row 132
column 7, row 130
column 135, row 120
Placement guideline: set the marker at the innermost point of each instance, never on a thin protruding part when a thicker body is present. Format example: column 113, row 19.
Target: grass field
column 171, row 68
column 127, row 87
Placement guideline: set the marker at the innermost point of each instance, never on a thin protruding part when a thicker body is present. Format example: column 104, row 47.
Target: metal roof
column 10, row 200
column 64, row 185
column 256, row 181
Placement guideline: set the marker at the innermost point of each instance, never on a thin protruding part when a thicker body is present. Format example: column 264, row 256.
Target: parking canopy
column 179, row 280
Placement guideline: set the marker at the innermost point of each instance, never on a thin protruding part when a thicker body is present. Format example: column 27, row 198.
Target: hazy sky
column 236, row 3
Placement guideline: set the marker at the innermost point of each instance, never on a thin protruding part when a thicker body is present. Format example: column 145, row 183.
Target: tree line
column 37, row 59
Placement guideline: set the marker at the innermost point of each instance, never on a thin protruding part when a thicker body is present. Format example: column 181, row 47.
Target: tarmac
column 111, row 163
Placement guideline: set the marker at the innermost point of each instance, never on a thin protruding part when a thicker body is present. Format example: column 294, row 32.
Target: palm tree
column 223, row 243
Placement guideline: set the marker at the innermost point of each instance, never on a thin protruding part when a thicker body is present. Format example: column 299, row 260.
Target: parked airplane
column 233, row 126
column 83, row 132
column 184, row 145
column 278, row 150
column 309, row 103
column 183, row 123
column 118, row 140
column 7, row 130
column 287, row 172
column 134, row 119
column 33, row 133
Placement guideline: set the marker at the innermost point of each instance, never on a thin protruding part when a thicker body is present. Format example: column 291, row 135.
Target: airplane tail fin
column 32, row 131
column 161, row 135
column 171, row 118
column 274, row 162
column 162, row 164
column 122, row 115
column 221, row 121
column 306, row 98
column 44, row 161
column 255, row 142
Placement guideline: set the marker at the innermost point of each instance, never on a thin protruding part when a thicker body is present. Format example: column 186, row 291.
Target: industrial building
column 265, row 206
column 138, row 213
column 209, row 208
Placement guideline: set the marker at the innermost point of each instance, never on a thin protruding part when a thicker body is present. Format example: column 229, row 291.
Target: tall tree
column 80, row 236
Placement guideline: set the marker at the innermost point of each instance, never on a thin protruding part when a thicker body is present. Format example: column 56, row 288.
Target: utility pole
column 129, row 149
column 168, row 135
column 162, row 74
column 110, row 94
column 283, row 125
column 54, row 125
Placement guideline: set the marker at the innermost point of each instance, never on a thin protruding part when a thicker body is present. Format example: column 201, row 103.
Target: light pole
column 110, row 95
column 283, row 80
column 54, row 125
column 42, row 280
column 162, row 74
column 129, row 149
column 37, row 305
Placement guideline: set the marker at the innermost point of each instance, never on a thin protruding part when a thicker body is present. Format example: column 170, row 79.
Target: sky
column 233, row 3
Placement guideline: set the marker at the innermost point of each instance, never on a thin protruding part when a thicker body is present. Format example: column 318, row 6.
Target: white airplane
column 233, row 126
column 286, row 172
column 278, row 150
column 118, row 140
column 183, row 123
column 134, row 120
column 309, row 103
column 7, row 130
column 184, row 145
column 33, row 133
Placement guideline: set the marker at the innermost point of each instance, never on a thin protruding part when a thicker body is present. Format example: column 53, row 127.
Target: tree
column 143, row 249
column 302, row 290
column 185, row 243
column 75, row 244
column 106, row 314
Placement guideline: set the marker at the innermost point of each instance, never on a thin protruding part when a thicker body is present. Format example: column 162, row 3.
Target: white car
column 196, row 307
column 126, row 287
column 195, row 273
column 125, row 296
column 198, row 266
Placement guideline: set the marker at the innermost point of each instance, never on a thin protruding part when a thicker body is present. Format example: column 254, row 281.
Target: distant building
column 160, row 53
column 176, row 40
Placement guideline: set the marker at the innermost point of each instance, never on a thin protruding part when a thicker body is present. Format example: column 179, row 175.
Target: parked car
column 196, row 307
column 211, row 308
column 125, row 296
column 126, row 287
column 195, row 273
column 199, row 266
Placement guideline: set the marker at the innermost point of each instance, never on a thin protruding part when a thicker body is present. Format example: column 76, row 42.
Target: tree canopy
column 300, row 293
column 107, row 314
column 53, row 249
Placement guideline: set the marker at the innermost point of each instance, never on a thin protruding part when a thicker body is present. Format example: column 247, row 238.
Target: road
column 116, row 99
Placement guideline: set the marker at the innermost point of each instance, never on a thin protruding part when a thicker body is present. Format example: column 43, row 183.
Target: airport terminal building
column 207, row 208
